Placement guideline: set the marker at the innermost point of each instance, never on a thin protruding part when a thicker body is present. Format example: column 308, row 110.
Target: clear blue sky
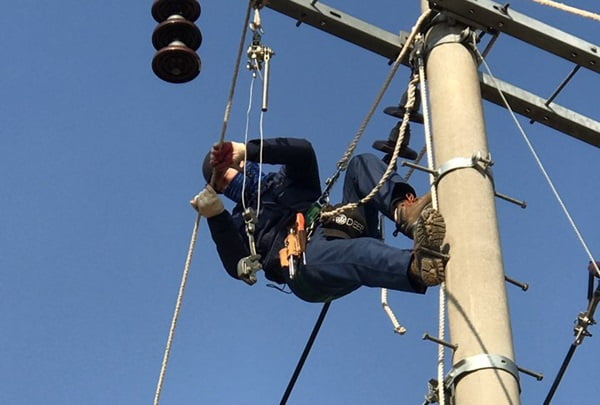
column 99, row 159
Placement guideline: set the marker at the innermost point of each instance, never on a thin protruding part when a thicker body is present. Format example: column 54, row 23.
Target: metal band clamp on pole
column 476, row 161
column 480, row 362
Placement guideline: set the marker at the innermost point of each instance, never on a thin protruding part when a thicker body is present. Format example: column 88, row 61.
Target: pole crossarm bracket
column 534, row 107
column 342, row 25
column 479, row 362
column 388, row 45
column 491, row 17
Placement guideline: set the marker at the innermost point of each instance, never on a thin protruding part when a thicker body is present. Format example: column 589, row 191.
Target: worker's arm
column 296, row 155
column 230, row 246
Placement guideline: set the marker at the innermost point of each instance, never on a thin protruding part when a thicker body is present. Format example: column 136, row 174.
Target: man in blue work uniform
column 344, row 251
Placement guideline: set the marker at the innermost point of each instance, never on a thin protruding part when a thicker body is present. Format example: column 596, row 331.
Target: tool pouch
column 295, row 242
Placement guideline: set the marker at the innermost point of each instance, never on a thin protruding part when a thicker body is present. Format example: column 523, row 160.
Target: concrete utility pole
column 479, row 322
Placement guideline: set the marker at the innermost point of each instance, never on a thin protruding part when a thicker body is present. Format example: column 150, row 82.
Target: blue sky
column 99, row 158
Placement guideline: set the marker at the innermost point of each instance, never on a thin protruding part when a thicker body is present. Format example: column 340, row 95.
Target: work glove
column 207, row 203
column 227, row 154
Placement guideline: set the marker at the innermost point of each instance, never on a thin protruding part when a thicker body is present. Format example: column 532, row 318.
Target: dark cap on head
column 207, row 168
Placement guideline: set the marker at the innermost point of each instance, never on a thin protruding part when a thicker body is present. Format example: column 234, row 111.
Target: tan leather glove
column 207, row 203
column 239, row 152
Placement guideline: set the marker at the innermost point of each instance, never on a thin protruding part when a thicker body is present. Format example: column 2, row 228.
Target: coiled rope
column 342, row 166
column 188, row 260
column 343, row 162
column 442, row 292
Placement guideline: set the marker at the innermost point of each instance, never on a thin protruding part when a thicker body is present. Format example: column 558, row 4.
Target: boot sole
column 429, row 234
column 430, row 230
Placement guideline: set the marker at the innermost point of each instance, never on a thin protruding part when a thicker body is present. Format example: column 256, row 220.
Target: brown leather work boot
column 428, row 266
column 407, row 213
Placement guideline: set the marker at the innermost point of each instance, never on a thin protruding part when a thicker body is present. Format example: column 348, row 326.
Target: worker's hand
column 207, row 203
column 227, row 154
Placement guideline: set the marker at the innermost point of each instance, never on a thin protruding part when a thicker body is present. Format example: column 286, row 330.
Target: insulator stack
column 176, row 40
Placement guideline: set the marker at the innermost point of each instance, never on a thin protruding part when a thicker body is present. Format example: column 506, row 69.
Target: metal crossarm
column 341, row 25
column 490, row 16
column 529, row 105
column 388, row 45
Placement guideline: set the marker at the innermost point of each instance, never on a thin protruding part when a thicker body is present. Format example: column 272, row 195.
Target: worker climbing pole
column 291, row 256
column 464, row 163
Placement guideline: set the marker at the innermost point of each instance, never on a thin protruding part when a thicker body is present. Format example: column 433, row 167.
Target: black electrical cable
column 560, row 374
column 305, row 353
column 566, row 361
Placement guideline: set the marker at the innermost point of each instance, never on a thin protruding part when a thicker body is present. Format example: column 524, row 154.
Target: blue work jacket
column 284, row 193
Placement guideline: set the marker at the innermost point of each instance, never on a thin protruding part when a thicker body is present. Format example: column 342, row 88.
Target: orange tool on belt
column 295, row 245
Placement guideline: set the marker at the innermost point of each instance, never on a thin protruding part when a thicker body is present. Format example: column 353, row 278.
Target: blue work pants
column 336, row 267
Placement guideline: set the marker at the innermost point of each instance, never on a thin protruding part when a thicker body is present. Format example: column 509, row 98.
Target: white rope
column 442, row 292
column 246, row 131
column 399, row 329
column 236, row 70
column 194, row 236
column 541, row 166
column 392, row 164
column 350, row 150
column 260, row 161
column 569, row 9
column 186, row 270
column 384, row 293
column 255, row 25
column 255, row 71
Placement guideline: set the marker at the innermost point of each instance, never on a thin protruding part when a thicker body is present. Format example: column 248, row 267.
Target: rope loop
column 405, row 49
column 391, row 168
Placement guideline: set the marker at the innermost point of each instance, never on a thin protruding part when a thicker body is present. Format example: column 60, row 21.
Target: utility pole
column 479, row 321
